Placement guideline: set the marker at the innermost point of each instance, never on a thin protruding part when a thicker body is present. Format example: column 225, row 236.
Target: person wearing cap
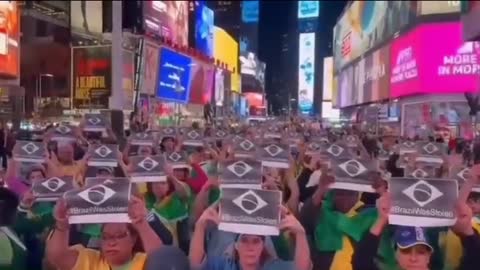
column 12, row 249
column 249, row 251
column 412, row 248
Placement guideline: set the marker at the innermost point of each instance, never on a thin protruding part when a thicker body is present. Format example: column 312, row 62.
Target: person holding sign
column 123, row 245
column 249, row 249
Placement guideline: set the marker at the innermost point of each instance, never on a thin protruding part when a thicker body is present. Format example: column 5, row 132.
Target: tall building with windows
column 227, row 16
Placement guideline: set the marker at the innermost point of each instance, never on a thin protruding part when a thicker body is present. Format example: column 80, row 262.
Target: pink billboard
column 434, row 59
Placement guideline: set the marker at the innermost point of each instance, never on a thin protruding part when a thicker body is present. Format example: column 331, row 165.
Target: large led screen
column 168, row 19
column 308, row 9
column 250, row 11
column 253, row 73
column 226, row 50
column 306, row 72
column 174, row 76
column 219, row 87
column 327, row 78
column 204, row 30
column 201, row 82
column 9, row 39
column 425, row 61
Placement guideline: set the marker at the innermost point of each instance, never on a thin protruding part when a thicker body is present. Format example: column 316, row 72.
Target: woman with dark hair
column 169, row 202
column 122, row 245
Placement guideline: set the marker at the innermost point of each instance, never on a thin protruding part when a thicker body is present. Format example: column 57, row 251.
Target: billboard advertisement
column 327, row 78
column 249, row 27
column 335, row 99
column 345, row 87
column 167, row 19
column 243, row 106
column 204, row 29
column 254, row 99
column 92, row 77
column 9, row 39
column 128, row 78
column 150, row 68
column 174, row 76
column 366, row 24
column 328, row 111
column 253, row 73
column 226, row 50
column 86, row 17
column 201, row 82
column 470, row 18
column 439, row 7
column 371, row 77
column 306, row 72
column 219, row 87
column 250, row 11
column 424, row 62
column 308, row 9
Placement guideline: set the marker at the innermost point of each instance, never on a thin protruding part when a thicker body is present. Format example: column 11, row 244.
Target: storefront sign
column 92, row 75
column 424, row 61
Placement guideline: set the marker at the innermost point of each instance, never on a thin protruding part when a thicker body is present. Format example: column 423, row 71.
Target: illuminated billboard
column 327, row 79
column 308, row 9
column 204, row 29
column 168, row 19
column 306, row 72
column 225, row 49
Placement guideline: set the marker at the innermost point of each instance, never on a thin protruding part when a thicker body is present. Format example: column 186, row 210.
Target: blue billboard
column 308, row 9
column 204, row 29
column 250, row 10
column 174, row 76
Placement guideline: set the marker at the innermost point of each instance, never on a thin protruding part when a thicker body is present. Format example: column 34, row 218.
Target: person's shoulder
column 220, row 263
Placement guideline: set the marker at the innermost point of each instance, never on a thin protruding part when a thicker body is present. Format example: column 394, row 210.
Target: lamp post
column 39, row 89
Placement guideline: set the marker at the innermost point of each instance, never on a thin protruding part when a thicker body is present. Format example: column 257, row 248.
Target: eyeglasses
column 117, row 237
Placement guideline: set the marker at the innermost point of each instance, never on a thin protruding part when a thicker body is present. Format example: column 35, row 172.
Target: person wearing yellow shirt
column 123, row 246
column 64, row 164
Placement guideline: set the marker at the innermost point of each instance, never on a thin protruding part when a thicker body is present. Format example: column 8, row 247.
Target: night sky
column 279, row 17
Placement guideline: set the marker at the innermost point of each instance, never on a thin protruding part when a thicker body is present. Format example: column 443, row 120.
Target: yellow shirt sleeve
column 92, row 260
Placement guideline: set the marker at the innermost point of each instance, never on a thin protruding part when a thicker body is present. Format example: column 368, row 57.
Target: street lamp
column 39, row 87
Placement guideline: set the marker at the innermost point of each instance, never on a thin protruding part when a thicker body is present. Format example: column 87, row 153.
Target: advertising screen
column 366, row 24
column 226, row 50
column 243, row 106
column 9, row 39
column 424, row 62
column 345, row 87
column 174, row 76
column 92, row 77
column 86, row 17
column 371, row 77
column 128, row 78
column 327, row 78
column 438, row 7
column 253, row 73
column 201, row 82
column 250, row 11
column 168, row 19
column 328, row 111
column 219, row 87
column 306, row 72
column 204, row 30
column 150, row 69
column 308, row 9
column 254, row 99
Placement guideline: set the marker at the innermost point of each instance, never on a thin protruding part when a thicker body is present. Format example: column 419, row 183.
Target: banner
column 204, row 29
column 26, row 151
column 150, row 68
column 249, row 211
column 308, row 9
column 92, row 77
column 306, row 72
column 417, row 68
column 353, row 174
column 275, row 155
column 105, row 202
column 423, row 202
column 167, row 19
column 174, row 76
column 52, row 189
column 147, row 169
column 128, row 79
column 241, row 173
column 177, row 160
column 244, row 148
column 103, row 155
column 86, row 17
column 371, row 77
column 9, row 39
column 366, row 24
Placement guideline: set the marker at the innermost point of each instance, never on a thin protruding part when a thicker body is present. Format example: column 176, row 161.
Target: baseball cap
column 167, row 258
column 407, row 237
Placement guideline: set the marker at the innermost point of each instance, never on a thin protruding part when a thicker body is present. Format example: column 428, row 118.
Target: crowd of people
column 174, row 224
